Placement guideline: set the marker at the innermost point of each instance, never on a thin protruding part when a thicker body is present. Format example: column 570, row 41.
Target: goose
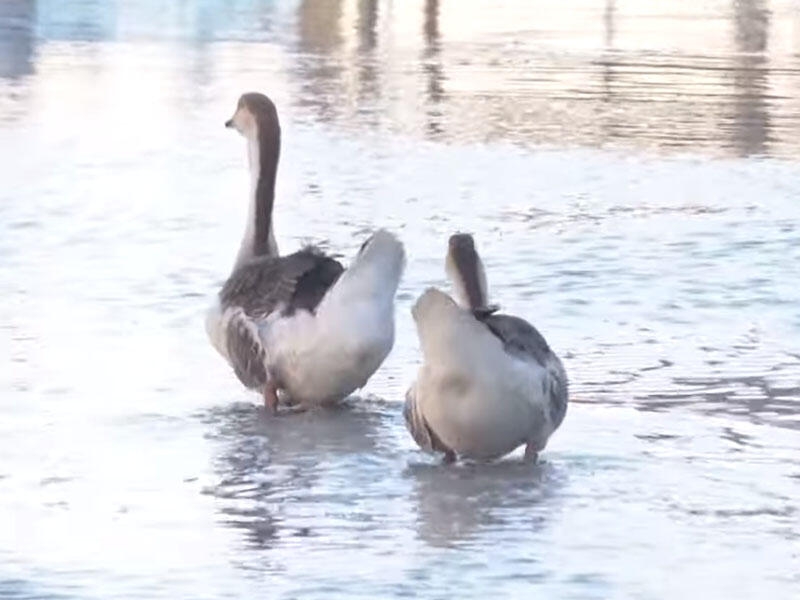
column 489, row 382
column 300, row 327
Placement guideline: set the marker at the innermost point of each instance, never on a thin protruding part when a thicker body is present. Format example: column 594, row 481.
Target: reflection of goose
column 265, row 465
column 352, row 428
column 456, row 504
column 300, row 323
column 489, row 382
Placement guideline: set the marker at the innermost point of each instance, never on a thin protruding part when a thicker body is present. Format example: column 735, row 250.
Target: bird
column 300, row 328
column 489, row 382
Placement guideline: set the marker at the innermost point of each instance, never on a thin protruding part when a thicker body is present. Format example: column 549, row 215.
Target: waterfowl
column 300, row 326
column 489, row 382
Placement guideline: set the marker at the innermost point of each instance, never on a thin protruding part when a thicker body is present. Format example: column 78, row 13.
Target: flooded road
column 630, row 174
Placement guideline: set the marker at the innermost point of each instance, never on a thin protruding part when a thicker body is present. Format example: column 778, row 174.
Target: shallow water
column 630, row 174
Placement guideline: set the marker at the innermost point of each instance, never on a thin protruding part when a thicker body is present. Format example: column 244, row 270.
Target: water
column 630, row 174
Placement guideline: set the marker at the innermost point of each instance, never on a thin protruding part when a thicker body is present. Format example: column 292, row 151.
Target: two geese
column 303, row 330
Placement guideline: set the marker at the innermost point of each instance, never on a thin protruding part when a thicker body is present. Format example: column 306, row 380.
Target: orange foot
column 271, row 397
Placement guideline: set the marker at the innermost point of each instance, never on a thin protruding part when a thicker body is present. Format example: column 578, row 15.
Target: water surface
column 630, row 174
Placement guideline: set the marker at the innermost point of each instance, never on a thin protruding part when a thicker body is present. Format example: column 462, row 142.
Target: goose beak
column 229, row 123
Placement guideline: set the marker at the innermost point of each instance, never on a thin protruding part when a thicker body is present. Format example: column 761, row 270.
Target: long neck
column 465, row 269
column 259, row 237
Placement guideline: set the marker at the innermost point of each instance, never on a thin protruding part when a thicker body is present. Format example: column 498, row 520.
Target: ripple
column 630, row 175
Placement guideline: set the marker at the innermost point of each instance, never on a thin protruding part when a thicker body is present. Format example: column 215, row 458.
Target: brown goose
column 300, row 324
column 489, row 383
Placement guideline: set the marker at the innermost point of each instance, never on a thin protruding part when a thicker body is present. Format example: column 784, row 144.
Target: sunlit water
column 629, row 170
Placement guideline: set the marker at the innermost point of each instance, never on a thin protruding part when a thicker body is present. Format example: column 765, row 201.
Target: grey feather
column 522, row 339
column 266, row 283
column 418, row 427
column 518, row 336
column 245, row 351
column 260, row 287
column 558, row 391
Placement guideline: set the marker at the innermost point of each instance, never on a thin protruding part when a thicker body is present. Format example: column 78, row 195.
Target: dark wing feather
column 314, row 283
column 482, row 312
column 245, row 351
column 518, row 336
column 296, row 281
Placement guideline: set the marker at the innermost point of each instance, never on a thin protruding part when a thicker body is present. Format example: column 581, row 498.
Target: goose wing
column 296, row 281
column 518, row 336
column 418, row 427
column 522, row 339
column 262, row 286
column 246, row 353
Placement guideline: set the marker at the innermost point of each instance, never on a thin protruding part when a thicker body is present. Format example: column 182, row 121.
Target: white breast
column 325, row 357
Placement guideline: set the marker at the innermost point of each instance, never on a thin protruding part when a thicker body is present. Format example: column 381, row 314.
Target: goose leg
column 270, row 393
column 530, row 453
column 449, row 457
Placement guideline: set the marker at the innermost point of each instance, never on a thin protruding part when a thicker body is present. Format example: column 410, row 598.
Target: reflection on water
column 750, row 68
column 455, row 504
column 629, row 171
column 16, row 54
column 521, row 85
column 616, row 74
column 16, row 38
column 84, row 21
column 266, row 462
column 319, row 38
column 432, row 67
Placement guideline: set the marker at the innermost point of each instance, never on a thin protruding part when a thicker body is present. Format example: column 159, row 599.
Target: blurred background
column 717, row 76
column 629, row 170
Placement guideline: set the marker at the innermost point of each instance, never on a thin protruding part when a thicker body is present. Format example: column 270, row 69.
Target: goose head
column 255, row 116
